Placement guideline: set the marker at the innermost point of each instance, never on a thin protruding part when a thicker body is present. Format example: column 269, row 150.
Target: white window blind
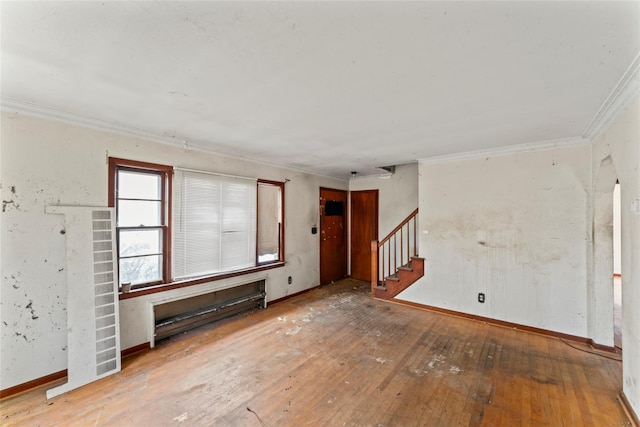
column 214, row 223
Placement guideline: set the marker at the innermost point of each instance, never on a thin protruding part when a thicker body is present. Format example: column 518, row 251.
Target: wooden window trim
column 280, row 259
column 166, row 173
column 167, row 184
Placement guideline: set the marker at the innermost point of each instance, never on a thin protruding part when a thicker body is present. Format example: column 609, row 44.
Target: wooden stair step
column 402, row 279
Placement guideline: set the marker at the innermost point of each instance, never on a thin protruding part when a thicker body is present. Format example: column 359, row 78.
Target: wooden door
column 333, row 235
column 364, row 229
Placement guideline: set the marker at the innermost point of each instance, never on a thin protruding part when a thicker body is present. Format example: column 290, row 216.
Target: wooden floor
column 334, row 357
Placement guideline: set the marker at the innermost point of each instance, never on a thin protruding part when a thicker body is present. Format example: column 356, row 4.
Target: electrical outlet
column 290, row 280
column 481, row 297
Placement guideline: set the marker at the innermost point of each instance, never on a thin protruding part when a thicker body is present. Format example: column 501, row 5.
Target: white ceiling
column 327, row 87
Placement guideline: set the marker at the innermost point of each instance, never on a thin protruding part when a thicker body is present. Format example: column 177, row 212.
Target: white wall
column 621, row 141
column 44, row 163
column 513, row 227
column 397, row 195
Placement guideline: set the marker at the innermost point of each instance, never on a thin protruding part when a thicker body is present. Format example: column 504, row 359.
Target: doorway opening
column 602, row 301
column 617, row 269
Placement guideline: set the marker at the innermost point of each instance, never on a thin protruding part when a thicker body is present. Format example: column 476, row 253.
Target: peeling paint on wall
column 70, row 171
column 32, row 310
column 514, row 231
column 32, row 288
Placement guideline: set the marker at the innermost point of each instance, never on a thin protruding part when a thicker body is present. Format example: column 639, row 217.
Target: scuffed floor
column 335, row 356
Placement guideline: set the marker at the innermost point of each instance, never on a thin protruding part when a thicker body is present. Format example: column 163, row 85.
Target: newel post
column 374, row 265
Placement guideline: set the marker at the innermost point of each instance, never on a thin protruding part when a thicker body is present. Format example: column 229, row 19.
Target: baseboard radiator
column 180, row 315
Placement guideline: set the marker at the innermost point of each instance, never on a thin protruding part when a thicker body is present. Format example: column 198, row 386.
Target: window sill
column 176, row 285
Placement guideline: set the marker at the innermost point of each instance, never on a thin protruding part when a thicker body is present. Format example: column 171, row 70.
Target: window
column 270, row 216
column 176, row 226
column 215, row 224
column 140, row 193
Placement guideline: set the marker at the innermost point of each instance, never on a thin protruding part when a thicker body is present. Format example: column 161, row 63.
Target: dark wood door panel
column 333, row 235
column 364, row 229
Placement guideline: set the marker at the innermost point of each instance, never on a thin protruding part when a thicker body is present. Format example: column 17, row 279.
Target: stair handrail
column 376, row 277
column 402, row 224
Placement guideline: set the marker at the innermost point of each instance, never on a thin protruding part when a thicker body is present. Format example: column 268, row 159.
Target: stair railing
column 395, row 250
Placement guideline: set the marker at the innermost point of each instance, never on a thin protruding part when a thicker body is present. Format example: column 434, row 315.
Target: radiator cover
column 93, row 325
column 174, row 317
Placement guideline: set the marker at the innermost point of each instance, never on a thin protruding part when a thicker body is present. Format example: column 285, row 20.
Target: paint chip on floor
column 182, row 417
column 380, row 360
column 436, row 359
column 294, row 331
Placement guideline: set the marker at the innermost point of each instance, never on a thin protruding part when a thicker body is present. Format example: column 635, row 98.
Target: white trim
column 627, row 87
column 151, row 324
column 15, row 106
column 31, row 109
column 509, row 149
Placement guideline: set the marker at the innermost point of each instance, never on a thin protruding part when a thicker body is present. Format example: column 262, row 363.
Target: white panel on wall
column 92, row 295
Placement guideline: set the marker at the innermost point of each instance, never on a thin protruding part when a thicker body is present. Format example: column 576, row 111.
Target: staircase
column 395, row 263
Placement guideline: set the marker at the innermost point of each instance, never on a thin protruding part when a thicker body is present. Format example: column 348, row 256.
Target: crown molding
column 509, row 149
column 31, row 109
column 622, row 94
column 21, row 107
